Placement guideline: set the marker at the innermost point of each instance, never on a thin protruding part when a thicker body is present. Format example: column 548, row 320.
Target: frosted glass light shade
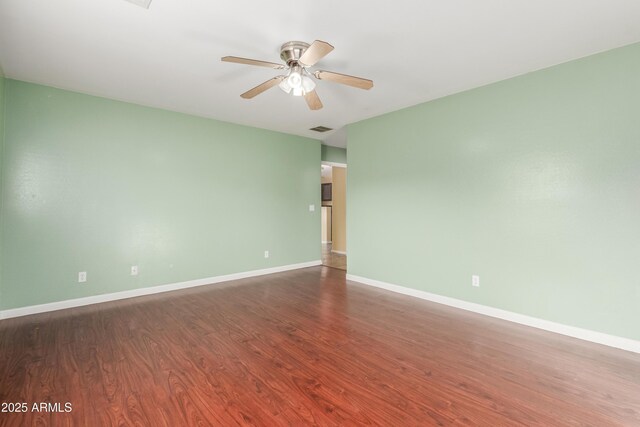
column 284, row 85
column 297, row 83
column 308, row 84
column 295, row 79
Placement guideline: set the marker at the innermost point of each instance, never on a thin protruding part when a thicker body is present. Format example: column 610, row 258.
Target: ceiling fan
column 298, row 81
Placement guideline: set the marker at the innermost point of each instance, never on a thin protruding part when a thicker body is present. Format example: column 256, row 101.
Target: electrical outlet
column 475, row 281
column 134, row 270
column 266, row 254
column 312, row 208
column 82, row 277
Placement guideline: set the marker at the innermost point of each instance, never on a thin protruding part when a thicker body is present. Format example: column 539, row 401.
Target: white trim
column 95, row 299
column 572, row 331
column 326, row 241
column 339, row 165
column 339, row 252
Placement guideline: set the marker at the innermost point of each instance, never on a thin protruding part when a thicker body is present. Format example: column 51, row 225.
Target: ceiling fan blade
column 262, row 87
column 256, row 62
column 313, row 101
column 344, row 79
column 315, row 53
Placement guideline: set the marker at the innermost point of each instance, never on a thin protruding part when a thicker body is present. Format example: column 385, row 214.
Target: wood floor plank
column 305, row 347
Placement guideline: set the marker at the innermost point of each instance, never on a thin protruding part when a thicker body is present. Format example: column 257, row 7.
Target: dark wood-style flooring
column 305, row 348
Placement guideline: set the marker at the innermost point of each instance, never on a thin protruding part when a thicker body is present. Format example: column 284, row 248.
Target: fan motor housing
column 292, row 51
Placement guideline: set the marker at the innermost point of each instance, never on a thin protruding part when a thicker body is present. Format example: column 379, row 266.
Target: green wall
column 532, row 183
column 333, row 154
column 2, row 84
column 96, row 185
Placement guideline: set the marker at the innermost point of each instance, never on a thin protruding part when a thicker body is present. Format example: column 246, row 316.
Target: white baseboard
column 572, row 331
column 339, row 252
column 326, row 241
column 95, row 299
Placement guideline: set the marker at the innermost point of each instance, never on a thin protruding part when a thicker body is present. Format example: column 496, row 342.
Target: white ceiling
column 415, row 51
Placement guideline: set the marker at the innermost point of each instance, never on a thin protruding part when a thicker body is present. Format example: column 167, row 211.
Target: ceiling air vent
column 320, row 129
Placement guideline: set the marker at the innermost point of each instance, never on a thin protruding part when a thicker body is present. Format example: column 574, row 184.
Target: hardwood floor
column 305, row 348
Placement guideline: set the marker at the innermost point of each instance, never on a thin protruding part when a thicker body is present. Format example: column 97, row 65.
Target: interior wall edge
column 96, row 299
column 558, row 328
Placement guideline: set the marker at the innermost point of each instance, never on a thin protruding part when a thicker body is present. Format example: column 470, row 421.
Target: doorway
column 333, row 217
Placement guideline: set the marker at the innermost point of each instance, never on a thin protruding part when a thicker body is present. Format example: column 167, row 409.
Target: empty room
column 288, row 213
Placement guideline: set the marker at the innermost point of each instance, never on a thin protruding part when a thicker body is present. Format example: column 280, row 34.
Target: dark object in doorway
column 326, row 192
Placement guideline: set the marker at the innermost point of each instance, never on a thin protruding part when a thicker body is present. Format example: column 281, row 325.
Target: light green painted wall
column 334, row 154
column 532, row 183
column 2, row 83
column 96, row 185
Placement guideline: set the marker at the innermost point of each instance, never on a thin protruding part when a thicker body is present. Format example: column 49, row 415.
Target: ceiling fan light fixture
column 295, row 77
column 285, row 86
column 297, row 82
column 308, row 84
